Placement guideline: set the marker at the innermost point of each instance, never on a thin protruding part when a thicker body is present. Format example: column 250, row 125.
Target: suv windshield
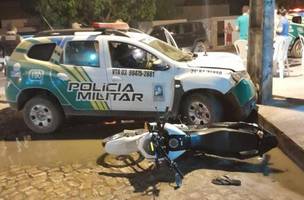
column 169, row 50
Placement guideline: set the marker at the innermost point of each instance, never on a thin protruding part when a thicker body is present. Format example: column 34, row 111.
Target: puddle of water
column 48, row 153
column 282, row 170
column 292, row 177
column 60, row 152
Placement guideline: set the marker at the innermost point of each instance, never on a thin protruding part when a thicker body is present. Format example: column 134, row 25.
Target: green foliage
column 284, row 3
column 61, row 13
column 166, row 9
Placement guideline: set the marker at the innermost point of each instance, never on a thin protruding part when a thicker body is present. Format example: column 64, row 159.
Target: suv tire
column 42, row 115
column 296, row 49
column 202, row 109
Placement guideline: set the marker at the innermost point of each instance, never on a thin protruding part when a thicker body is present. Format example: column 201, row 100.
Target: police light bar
column 115, row 25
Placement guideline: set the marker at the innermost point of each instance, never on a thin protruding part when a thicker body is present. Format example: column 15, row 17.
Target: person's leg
column 281, row 68
column 303, row 56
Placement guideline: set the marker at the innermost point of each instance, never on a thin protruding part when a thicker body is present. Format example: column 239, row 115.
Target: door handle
column 63, row 76
column 116, row 78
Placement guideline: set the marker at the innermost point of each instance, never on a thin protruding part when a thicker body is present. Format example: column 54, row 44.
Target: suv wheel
column 199, row 109
column 42, row 115
column 296, row 51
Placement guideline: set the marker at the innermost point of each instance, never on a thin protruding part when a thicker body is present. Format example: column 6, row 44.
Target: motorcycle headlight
column 239, row 75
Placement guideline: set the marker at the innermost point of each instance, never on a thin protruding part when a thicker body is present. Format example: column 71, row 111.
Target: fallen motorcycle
column 164, row 142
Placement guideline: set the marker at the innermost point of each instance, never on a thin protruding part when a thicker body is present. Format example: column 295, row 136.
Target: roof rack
column 116, row 28
column 63, row 32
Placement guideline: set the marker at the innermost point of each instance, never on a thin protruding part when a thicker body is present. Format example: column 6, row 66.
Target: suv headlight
column 239, row 75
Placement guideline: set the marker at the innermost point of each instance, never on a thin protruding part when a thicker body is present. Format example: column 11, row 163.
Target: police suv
column 114, row 71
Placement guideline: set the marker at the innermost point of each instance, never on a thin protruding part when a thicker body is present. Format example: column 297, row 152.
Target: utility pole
column 260, row 47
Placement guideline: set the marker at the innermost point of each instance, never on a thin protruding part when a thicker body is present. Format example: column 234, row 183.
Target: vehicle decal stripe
column 104, row 105
column 25, row 44
column 20, row 50
column 100, row 106
column 81, row 74
column 70, row 72
column 107, row 106
column 95, row 105
column 85, row 74
column 63, row 42
column 84, row 79
column 17, row 56
column 56, row 55
column 59, row 68
column 77, row 74
column 101, row 103
column 80, row 78
column 33, row 41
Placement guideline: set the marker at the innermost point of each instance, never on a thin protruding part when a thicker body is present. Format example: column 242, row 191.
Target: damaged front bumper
column 241, row 100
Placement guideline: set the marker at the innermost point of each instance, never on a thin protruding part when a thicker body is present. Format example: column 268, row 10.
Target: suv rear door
column 83, row 61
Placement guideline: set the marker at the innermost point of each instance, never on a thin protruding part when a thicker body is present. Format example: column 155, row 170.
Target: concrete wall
column 215, row 28
column 11, row 12
column 25, row 25
column 205, row 11
column 146, row 26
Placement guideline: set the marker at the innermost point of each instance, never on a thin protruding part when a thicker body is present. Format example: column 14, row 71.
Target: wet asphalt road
column 71, row 163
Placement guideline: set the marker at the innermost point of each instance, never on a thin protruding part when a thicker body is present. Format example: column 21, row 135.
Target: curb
column 286, row 144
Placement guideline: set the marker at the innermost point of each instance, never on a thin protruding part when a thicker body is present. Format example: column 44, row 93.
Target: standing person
column 8, row 43
column 277, row 18
column 242, row 23
column 10, row 40
column 229, row 31
column 282, row 41
column 282, row 28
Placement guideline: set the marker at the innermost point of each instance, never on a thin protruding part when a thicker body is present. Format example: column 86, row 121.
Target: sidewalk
column 285, row 114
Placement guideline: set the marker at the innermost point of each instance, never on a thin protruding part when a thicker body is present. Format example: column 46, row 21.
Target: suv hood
column 218, row 60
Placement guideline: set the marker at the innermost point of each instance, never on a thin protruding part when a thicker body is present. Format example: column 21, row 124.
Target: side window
column 82, row 53
column 174, row 28
column 200, row 29
column 124, row 55
column 41, row 51
column 187, row 28
column 158, row 33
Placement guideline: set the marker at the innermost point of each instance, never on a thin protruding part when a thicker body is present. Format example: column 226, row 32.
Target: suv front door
column 135, row 83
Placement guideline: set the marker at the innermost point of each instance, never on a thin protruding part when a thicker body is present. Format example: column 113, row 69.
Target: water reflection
column 53, row 151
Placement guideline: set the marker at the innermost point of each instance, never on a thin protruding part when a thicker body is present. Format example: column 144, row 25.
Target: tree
column 166, row 9
column 58, row 13
column 282, row 3
column 62, row 13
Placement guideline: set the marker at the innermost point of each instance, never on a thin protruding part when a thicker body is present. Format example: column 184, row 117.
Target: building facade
column 12, row 13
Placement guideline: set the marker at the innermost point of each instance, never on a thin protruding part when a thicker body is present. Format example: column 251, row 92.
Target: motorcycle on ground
column 165, row 142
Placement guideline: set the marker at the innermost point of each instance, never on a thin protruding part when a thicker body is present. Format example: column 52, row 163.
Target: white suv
column 124, row 74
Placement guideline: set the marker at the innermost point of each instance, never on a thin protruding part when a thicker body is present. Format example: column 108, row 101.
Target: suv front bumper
column 240, row 100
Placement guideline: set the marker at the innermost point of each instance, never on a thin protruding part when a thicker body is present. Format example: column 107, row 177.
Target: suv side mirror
column 297, row 20
column 158, row 65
